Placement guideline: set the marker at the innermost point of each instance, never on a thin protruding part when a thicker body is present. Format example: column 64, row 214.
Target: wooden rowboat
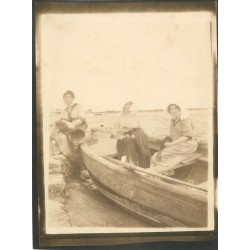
column 161, row 200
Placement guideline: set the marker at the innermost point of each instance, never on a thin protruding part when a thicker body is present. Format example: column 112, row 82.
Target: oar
column 135, row 168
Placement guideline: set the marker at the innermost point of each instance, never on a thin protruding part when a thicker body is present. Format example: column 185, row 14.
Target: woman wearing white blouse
column 132, row 141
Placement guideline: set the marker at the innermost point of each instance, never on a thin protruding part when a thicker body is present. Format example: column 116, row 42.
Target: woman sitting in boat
column 181, row 143
column 72, row 128
column 132, row 140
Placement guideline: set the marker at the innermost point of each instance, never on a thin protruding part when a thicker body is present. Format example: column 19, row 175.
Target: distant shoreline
column 115, row 111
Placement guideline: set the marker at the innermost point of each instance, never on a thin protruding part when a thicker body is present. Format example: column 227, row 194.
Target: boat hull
column 160, row 203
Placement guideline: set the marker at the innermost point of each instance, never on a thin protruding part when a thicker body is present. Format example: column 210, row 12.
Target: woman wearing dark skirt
column 132, row 140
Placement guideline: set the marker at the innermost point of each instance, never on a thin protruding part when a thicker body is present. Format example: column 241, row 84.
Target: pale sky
column 152, row 59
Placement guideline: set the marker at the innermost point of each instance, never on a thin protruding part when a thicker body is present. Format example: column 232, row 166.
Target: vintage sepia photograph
column 126, row 109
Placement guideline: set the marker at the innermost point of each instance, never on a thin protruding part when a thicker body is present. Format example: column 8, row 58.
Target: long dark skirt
column 129, row 147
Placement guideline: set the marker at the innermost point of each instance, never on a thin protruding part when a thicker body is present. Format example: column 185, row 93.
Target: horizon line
column 89, row 110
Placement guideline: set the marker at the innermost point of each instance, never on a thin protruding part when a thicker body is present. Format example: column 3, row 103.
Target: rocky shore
column 75, row 202
column 58, row 217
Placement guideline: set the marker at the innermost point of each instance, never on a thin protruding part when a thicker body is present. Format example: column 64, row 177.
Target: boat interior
column 193, row 171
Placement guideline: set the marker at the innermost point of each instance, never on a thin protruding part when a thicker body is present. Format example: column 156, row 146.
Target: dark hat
column 69, row 92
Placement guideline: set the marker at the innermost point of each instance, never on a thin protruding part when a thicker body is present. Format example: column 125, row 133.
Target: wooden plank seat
column 155, row 145
column 170, row 170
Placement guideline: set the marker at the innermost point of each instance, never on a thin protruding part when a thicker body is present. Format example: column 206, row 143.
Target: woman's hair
column 69, row 92
column 132, row 107
column 172, row 104
column 184, row 112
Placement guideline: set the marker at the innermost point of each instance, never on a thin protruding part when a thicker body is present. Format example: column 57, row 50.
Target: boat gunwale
column 170, row 187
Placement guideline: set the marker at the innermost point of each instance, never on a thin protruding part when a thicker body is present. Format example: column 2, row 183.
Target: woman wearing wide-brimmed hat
column 181, row 143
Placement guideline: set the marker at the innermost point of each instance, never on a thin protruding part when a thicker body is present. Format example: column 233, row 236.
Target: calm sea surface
column 86, row 206
column 155, row 123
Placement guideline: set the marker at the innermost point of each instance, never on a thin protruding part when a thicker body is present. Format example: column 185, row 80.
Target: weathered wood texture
column 162, row 203
column 151, row 172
